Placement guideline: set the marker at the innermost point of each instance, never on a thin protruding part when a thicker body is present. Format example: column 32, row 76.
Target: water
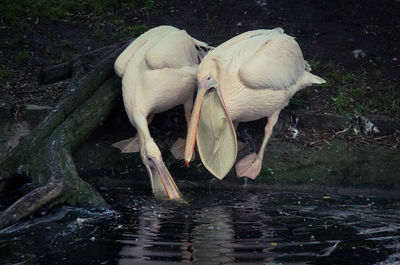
column 218, row 227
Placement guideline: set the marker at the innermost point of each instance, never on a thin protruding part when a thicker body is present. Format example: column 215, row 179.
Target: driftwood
column 44, row 156
column 25, row 206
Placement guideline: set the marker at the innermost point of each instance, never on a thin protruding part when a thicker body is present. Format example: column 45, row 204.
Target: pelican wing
column 278, row 64
column 241, row 37
column 174, row 50
column 125, row 57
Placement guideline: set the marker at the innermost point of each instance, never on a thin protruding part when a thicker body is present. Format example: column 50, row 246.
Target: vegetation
column 98, row 31
column 17, row 12
column 358, row 93
column 64, row 56
column 67, row 43
column 4, row 72
column 23, row 56
column 23, row 14
column 340, row 104
column 300, row 100
column 124, row 32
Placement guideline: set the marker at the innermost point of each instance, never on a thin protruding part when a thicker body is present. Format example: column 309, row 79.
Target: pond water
column 218, row 227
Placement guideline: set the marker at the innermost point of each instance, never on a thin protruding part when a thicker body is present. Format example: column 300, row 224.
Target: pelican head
column 211, row 124
column 162, row 182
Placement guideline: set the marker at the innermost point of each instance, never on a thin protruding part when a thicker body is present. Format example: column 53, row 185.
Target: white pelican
column 158, row 71
column 250, row 76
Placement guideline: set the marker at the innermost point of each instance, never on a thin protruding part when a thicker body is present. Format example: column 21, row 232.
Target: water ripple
column 219, row 227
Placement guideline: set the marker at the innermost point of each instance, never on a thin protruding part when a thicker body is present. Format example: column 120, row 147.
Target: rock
column 368, row 125
column 321, row 122
column 364, row 125
column 385, row 125
column 374, row 125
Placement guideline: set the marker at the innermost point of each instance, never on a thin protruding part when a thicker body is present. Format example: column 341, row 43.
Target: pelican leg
column 250, row 165
column 131, row 145
column 178, row 148
column 241, row 145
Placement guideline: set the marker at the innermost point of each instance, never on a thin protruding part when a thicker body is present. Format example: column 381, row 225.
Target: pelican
column 248, row 77
column 158, row 72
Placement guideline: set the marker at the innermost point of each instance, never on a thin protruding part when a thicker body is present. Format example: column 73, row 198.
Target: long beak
column 216, row 137
column 193, row 125
column 162, row 183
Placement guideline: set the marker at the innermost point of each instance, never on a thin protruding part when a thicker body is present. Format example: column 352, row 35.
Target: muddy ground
column 328, row 33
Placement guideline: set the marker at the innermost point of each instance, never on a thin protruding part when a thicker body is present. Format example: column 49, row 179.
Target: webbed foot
column 249, row 166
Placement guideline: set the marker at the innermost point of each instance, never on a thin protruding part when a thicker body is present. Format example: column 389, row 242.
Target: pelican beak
column 216, row 137
column 162, row 183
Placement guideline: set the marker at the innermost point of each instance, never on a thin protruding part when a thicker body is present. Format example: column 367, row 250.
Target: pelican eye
column 150, row 161
column 208, row 78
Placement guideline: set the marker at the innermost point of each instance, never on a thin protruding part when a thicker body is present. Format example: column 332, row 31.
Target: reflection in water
column 212, row 236
column 135, row 244
column 254, row 235
column 219, row 227
column 203, row 245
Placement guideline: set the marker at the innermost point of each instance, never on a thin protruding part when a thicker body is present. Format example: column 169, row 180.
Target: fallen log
column 44, row 156
column 58, row 72
column 55, row 73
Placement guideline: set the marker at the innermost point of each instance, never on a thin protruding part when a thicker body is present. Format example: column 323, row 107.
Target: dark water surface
column 218, row 227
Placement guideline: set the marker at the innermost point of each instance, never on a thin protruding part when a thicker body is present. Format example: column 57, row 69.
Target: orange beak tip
column 187, row 163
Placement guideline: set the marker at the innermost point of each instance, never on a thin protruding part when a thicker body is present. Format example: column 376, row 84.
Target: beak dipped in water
column 215, row 133
column 162, row 183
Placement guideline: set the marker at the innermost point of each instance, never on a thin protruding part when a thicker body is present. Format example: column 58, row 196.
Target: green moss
column 337, row 165
column 82, row 194
column 23, row 56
